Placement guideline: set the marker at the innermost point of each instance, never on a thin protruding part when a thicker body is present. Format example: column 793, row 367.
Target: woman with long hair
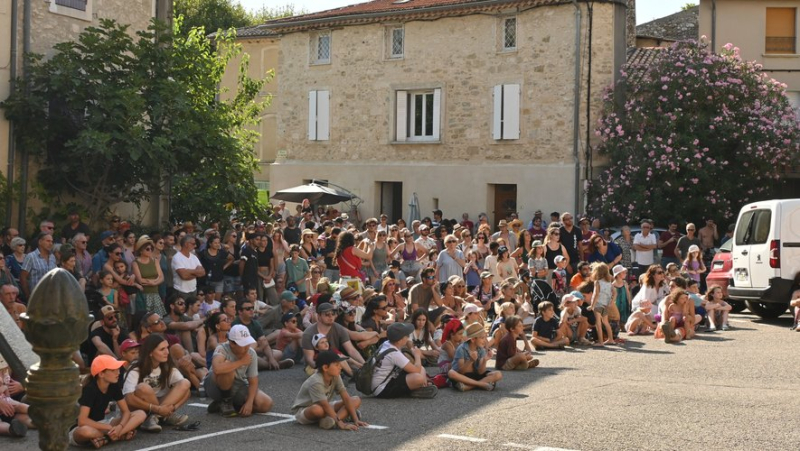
column 217, row 325
column 309, row 249
column 524, row 247
column 348, row 257
column 411, row 254
column 396, row 302
column 154, row 385
column 654, row 288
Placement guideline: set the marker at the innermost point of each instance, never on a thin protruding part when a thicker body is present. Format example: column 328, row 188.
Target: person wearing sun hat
column 93, row 429
column 149, row 275
column 397, row 376
column 232, row 383
column 468, row 370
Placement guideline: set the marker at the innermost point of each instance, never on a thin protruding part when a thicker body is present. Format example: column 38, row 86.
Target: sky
column 646, row 10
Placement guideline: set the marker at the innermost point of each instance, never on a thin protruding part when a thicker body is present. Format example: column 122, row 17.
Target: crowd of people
column 400, row 310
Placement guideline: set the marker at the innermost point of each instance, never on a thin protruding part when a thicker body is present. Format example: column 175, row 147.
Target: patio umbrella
column 316, row 194
column 413, row 209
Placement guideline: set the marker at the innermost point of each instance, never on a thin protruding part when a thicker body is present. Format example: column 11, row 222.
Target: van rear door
column 751, row 265
column 790, row 239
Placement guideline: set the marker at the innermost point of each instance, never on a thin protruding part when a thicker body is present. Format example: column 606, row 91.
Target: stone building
column 47, row 23
column 473, row 105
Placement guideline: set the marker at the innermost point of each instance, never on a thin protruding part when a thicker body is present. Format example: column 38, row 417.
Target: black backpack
column 363, row 376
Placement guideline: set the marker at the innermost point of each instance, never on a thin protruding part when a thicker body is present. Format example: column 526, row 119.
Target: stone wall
column 466, row 64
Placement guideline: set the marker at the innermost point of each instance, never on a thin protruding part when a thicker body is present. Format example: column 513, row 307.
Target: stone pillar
column 56, row 323
column 630, row 34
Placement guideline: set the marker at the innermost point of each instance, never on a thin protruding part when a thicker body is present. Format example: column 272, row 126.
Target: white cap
column 470, row 308
column 240, row 335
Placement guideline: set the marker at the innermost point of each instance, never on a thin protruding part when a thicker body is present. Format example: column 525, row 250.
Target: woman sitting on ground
column 395, row 301
column 217, row 325
column 154, row 385
column 449, row 298
column 375, row 316
column 362, row 339
column 422, row 337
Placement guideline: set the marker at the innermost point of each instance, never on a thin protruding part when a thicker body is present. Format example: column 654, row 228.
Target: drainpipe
column 13, row 83
column 713, row 26
column 576, row 110
column 590, row 25
column 23, row 177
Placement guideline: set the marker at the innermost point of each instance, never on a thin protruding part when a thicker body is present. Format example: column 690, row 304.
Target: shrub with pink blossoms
column 699, row 134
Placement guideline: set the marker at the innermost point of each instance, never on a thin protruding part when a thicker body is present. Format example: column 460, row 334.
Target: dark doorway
column 391, row 200
column 505, row 201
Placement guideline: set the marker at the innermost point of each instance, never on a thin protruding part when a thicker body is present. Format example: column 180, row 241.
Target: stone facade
column 462, row 57
column 51, row 24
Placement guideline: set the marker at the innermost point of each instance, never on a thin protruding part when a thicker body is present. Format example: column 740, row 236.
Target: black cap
column 328, row 357
column 437, row 212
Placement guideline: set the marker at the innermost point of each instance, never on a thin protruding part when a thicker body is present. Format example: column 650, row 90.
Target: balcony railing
column 781, row 45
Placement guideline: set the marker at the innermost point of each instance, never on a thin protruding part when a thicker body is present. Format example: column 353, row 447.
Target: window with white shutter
column 506, row 112
column 318, row 115
column 418, row 115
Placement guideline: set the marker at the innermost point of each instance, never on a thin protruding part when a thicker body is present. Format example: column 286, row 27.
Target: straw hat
column 144, row 239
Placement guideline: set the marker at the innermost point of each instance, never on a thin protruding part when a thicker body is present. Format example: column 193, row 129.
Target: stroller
column 542, row 291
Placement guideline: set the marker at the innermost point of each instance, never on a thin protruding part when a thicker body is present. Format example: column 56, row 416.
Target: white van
column 766, row 256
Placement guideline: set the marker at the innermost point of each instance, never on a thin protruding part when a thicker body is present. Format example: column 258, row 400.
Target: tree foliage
column 215, row 15
column 113, row 117
column 700, row 134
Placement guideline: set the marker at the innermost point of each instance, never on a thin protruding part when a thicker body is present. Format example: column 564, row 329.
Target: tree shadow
column 638, row 347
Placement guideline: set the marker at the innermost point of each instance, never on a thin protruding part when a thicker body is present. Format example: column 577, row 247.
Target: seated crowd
column 184, row 314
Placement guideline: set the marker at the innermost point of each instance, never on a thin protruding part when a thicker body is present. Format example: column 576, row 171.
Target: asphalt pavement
column 721, row 391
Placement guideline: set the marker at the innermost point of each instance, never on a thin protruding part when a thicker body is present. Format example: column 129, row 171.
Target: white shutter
column 437, row 102
column 497, row 127
column 312, row 115
column 511, row 112
column 323, row 115
column 402, row 116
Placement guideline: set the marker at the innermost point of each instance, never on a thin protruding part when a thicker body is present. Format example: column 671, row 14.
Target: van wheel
column 767, row 310
column 737, row 306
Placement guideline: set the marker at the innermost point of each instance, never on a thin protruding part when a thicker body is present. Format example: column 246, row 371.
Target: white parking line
column 215, row 434
column 285, row 415
column 462, row 438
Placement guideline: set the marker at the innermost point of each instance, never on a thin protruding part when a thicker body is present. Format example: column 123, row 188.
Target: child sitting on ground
column 678, row 323
column 717, row 309
column 696, row 302
column 641, row 320
column 498, row 329
column 508, row 357
column 547, row 332
column 576, row 324
column 93, row 429
column 452, row 336
column 558, row 280
column 313, row 403
column 604, row 293
column 289, row 337
column 14, row 419
column 209, row 305
column 320, row 343
column 469, row 362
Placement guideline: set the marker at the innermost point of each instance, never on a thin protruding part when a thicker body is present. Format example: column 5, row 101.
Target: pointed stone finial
column 56, row 323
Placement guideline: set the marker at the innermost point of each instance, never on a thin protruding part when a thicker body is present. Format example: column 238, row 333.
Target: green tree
column 688, row 6
column 700, row 134
column 215, row 15
column 114, row 118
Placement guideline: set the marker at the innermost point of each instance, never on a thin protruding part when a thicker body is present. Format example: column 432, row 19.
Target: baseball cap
column 470, row 308
column 397, row 331
column 316, row 339
column 105, row 362
column 107, row 310
column 287, row 317
column 423, row 227
column 437, row 212
column 486, row 274
column 105, row 235
column 240, row 335
column 325, row 307
column 577, row 295
column 559, row 258
column 127, row 344
column 328, row 357
column 288, row 296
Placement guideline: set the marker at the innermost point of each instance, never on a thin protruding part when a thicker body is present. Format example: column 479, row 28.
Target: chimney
column 630, row 33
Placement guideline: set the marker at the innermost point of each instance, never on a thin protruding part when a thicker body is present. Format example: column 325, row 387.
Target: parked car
column 766, row 256
column 719, row 273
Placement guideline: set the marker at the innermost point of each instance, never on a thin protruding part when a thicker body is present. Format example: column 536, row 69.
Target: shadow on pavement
column 638, row 347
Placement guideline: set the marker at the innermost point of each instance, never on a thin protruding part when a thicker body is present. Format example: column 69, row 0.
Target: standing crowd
column 398, row 310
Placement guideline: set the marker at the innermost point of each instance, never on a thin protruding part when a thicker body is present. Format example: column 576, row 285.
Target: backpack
column 363, row 376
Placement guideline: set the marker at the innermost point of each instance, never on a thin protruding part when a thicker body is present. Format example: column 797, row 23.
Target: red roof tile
column 375, row 6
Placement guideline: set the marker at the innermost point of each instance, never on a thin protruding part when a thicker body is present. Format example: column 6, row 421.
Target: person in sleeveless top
column 149, row 276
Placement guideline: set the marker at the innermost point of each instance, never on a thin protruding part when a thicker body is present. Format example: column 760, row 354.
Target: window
column 396, row 42
column 506, row 112
column 321, row 48
column 509, row 37
column 80, row 5
column 753, row 227
column 781, row 31
column 418, row 115
column 78, row 9
column 318, row 115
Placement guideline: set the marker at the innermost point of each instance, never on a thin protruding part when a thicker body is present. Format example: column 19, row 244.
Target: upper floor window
column 396, row 40
column 781, row 35
column 78, row 9
column 418, row 115
column 509, row 35
column 321, row 48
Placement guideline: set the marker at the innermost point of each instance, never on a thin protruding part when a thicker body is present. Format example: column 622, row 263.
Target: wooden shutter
column 510, row 111
column 323, row 115
column 437, row 102
column 402, row 115
column 497, row 122
column 312, row 115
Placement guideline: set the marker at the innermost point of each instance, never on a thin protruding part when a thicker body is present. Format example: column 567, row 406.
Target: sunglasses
column 451, row 242
column 156, row 322
column 114, row 220
column 430, row 277
column 225, row 320
column 180, row 303
column 464, row 235
column 391, row 284
column 246, row 308
column 201, row 294
column 659, row 272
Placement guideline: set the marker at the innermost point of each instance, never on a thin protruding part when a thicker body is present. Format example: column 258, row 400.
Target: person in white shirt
column 426, row 241
column 643, row 244
column 186, row 267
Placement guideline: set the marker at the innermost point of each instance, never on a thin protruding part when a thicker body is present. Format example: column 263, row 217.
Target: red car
column 720, row 273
